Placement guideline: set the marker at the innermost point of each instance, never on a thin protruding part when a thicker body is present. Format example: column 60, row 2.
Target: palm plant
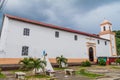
column 61, row 60
column 26, row 63
column 38, row 64
column 33, row 63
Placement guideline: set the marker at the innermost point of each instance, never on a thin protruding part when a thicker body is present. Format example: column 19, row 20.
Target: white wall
column 3, row 36
column 106, row 36
column 113, row 45
column 107, row 26
column 42, row 38
column 111, row 37
column 102, row 49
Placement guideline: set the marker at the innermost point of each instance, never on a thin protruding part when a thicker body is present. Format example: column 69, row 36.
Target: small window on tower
column 109, row 28
column 75, row 37
column 56, row 34
column 98, row 41
column 104, row 28
column 105, row 42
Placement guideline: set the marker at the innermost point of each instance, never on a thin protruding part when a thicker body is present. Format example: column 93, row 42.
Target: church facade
column 21, row 38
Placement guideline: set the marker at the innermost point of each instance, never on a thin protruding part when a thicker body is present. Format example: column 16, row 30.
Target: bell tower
column 106, row 27
column 106, row 32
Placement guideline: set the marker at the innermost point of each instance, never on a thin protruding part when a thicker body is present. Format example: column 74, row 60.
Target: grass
column 59, row 68
column 31, row 75
column 38, row 76
column 115, row 67
column 88, row 74
column 91, row 75
column 2, row 75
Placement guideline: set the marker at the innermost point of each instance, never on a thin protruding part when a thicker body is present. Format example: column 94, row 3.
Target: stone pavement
column 61, row 76
column 110, row 74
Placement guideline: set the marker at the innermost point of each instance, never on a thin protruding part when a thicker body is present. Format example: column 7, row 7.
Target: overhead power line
column 2, row 4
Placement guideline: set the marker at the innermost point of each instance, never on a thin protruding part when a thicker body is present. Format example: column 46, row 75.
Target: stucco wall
column 43, row 38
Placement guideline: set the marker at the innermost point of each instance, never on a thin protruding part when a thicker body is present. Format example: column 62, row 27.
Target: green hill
column 118, row 41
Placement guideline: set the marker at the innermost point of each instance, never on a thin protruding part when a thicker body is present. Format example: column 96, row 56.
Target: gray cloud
column 84, row 15
column 87, row 5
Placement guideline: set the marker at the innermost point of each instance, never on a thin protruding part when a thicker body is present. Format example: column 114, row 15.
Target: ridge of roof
column 53, row 26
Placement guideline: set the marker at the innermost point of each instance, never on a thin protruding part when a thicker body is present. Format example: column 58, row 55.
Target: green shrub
column 0, row 70
column 102, row 62
column 86, row 64
column 89, row 74
column 117, row 60
column 1, row 75
column 82, row 71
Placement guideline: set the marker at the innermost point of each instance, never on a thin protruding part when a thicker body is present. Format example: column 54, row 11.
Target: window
column 98, row 41
column 113, row 47
column 104, row 28
column 56, row 34
column 109, row 28
column 105, row 42
column 75, row 37
column 25, row 50
column 26, row 32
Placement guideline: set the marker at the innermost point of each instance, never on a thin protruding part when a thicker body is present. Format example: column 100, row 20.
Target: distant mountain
column 118, row 41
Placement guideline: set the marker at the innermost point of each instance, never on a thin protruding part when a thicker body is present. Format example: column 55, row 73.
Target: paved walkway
column 110, row 74
column 61, row 76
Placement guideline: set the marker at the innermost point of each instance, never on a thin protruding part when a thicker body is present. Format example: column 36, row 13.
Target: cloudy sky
column 83, row 15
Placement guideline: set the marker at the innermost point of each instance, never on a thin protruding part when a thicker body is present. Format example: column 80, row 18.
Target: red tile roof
column 53, row 26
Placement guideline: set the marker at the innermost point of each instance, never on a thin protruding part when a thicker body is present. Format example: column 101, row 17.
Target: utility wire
column 2, row 3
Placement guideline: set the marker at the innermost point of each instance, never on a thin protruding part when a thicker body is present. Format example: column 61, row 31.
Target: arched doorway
column 91, row 54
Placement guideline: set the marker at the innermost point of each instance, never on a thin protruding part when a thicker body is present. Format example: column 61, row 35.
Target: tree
column 38, row 64
column 33, row 63
column 61, row 60
column 118, row 45
column 118, row 41
column 26, row 63
column 117, row 61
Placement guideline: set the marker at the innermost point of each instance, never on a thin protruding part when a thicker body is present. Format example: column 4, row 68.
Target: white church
column 22, row 37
